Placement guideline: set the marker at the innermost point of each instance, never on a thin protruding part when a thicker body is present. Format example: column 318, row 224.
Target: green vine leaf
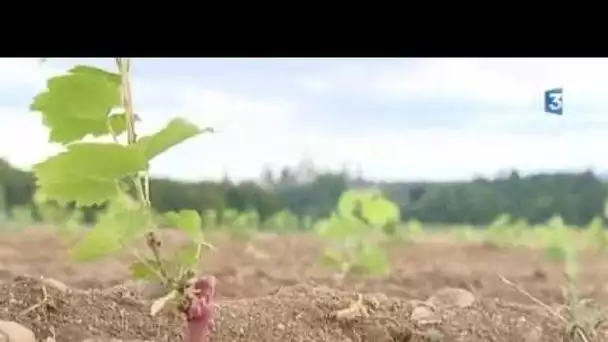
column 370, row 259
column 350, row 201
column 176, row 132
column 369, row 205
column 186, row 257
column 340, row 228
column 78, row 104
column 380, row 212
column 119, row 227
column 187, row 220
column 332, row 257
column 118, row 123
column 96, row 244
column 141, row 270
column 87, row 173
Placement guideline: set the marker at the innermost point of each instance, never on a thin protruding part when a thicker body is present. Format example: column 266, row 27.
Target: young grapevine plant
column 354, row 232
column 91, row 102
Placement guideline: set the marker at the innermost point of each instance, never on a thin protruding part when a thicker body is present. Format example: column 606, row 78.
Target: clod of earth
column 15, row 332
column 428, row 312
column 451, row 297
column 424, row 315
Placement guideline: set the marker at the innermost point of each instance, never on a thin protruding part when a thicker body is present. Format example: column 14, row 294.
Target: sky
column 393, row 119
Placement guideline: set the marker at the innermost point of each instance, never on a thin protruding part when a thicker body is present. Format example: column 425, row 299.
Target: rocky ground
column 277, row 292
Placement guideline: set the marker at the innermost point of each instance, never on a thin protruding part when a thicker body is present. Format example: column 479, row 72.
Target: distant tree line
column 576, row 197
column 307, row 192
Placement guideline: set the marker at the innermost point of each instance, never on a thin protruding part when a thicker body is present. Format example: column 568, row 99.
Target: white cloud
column 487, row 144
column 445, row 154
column 249, row 134
column 518, row 82
column 28, row 72
column 255, row 131
column 23, row 139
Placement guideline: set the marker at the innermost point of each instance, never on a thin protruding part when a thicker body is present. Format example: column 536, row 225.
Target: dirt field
column 279, row 293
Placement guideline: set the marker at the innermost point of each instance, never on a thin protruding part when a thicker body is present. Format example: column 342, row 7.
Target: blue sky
column 396, row 119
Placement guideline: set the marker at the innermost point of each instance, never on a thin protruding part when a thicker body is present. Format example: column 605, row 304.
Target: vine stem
column 124, row 66
column 141, row 181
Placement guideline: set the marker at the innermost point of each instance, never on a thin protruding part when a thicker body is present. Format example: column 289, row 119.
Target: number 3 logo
column 556, row 101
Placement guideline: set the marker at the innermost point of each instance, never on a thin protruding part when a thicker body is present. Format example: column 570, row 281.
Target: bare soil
column 276, row 291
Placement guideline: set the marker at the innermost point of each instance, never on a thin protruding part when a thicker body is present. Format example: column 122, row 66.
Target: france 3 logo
column 554, row 101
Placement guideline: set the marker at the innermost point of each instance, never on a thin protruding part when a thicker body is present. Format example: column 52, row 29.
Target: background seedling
column 354, row 232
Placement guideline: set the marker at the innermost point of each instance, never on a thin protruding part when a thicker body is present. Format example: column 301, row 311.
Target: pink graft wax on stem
column 199, row 310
